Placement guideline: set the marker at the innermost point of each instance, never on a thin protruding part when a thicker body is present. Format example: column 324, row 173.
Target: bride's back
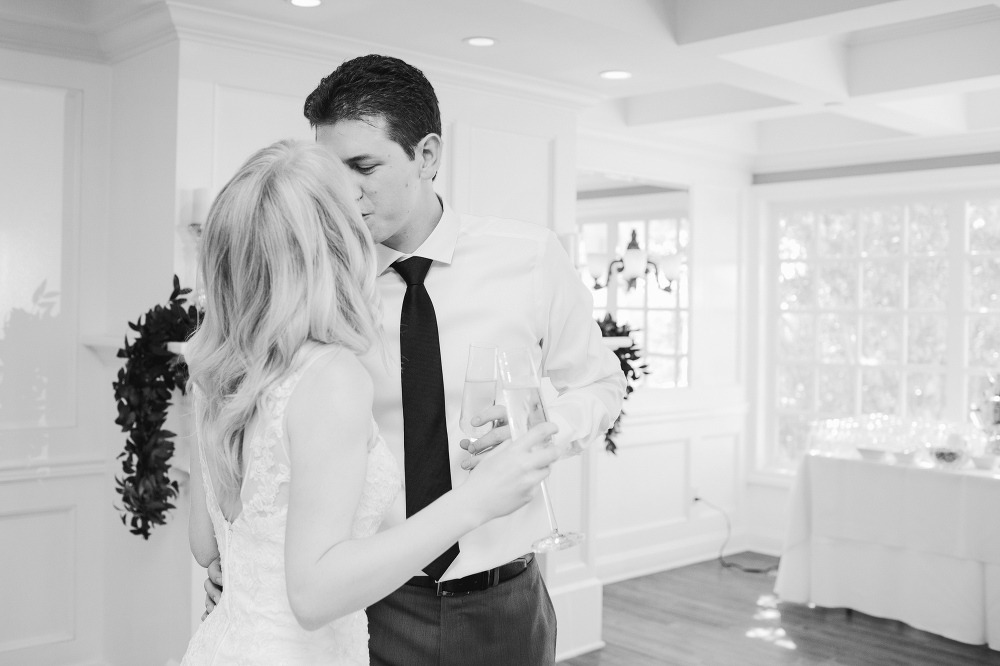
column 253, row 622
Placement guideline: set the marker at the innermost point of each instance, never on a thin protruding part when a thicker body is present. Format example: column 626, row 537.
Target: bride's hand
column 506, row 479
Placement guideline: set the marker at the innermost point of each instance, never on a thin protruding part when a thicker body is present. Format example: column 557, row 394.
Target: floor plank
column 707, row 615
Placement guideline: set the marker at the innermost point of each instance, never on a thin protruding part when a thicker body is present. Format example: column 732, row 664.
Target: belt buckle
column 441, row 592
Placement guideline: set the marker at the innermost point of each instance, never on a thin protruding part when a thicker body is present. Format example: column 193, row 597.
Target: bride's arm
column 328, row 573
column 201, row 533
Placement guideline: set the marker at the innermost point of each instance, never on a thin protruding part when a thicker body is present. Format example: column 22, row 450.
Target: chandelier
column 635, row 264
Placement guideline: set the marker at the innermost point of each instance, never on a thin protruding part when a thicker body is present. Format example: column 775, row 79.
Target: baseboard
column 766, row 545
column 665, row 556
column 583, row 649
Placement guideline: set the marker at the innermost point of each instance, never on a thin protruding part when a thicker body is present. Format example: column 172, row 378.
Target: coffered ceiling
column 785, row 83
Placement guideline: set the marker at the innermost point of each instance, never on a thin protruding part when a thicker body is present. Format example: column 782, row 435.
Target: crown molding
column 49, row 39
column 214, row 27
column 126, row 36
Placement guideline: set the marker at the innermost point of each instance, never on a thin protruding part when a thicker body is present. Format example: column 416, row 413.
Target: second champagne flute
column 480, row 390
column 523, row 395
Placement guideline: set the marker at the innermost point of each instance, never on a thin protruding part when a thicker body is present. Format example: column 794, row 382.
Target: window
column 661, row 320
column 882, row 305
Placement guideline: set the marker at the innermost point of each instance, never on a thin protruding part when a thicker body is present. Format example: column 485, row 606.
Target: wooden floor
column 706, row 615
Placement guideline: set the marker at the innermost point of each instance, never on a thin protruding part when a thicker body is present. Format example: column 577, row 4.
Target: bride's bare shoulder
column 335, row 383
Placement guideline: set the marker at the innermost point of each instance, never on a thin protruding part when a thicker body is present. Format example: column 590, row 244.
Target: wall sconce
column 634, row 264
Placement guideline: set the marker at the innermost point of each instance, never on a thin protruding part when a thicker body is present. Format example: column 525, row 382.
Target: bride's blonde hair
column 286, row 258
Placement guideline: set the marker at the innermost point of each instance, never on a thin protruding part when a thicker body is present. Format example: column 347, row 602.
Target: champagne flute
column 523, row 395
column 480, row 389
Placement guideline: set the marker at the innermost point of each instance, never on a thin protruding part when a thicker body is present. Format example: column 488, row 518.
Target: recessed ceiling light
column 306, row 3
column 616, row 74
column 479, row 41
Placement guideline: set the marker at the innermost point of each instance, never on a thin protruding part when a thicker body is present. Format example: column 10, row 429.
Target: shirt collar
column 439, row 246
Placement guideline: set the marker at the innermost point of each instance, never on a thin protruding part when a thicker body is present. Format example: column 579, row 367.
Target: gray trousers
column 512, row 624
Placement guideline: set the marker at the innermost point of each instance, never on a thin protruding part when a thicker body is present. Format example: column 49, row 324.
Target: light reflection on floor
column 767, row 610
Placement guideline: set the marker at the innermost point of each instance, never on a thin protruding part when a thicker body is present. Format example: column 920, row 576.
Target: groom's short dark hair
column 377, row 86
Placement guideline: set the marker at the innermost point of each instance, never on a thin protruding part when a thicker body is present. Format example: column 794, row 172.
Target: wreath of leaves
column 633, row 369
column 142, row 392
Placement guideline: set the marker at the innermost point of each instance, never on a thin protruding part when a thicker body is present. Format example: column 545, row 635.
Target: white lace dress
column 253, row 624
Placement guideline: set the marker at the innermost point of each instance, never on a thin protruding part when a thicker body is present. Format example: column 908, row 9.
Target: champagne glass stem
column 548, row 507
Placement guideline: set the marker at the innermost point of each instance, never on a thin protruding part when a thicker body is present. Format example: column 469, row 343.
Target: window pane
column 927, row 339
column 881, row 339
column 684, row 233
column 837, row 338
column 984, row 340
column 837, row 233
column 682, row 371
column 657, row 298
column 795, row 236
column 837, row 285
column 662, row 333
column 795, row 387
column 882, row 231
column 795, row 285
column 796, row 337
column 635, row 319
column 662, row 372
column 880, row 390
column 595, row 238
column 984, row 225
column 600, row 297
column 631, row 298
column 925, row 396
column 662, row 237
column 928, row 283
column 928, row 228
column 984, row 283
column 793, row 434
column 683, row 288
column 836, row 390
column 882, row 284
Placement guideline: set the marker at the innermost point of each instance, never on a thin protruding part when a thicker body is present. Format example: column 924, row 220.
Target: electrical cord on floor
column 722, row 549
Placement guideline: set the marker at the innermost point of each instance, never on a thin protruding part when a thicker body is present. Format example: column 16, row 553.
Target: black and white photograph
column 499, row 332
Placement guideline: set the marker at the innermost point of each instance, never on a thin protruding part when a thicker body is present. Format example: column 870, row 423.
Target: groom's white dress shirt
column 509, row 284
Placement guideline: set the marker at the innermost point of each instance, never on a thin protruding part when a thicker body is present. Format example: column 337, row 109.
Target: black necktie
column 426, row 463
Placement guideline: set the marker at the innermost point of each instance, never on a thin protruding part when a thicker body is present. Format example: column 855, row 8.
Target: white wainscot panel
column 511, row 175
column 36, row 561
column 640, row 489
column 37, row 318
column 713, row 470
column 248, row 120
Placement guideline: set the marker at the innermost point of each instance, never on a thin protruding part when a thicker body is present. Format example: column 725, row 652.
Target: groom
column 448, row 280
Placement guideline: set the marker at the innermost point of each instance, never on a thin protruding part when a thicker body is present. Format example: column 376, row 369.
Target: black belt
column 476, row 582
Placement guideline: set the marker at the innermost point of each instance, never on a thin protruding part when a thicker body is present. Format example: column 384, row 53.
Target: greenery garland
column 142, row 392
column 629, row 358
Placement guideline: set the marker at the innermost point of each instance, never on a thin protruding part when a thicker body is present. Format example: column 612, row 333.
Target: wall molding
column 34, row 470
column 873, row 168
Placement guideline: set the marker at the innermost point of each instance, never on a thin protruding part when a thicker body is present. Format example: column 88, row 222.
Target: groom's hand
column 495, row 437
column 213, row 586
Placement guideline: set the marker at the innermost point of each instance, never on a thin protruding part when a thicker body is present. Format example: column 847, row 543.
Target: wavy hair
column 286, row 258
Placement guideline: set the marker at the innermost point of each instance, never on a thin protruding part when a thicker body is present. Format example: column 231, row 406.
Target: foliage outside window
column 660, row 320
column 881, row 305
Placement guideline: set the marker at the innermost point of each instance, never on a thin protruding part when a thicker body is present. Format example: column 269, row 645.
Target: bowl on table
column 873, row 455
column 986, row 461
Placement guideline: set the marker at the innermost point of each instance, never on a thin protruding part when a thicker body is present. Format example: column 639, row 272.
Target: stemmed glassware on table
column 522, row 393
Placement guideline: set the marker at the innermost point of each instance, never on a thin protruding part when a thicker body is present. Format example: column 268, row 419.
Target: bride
column 291, row 478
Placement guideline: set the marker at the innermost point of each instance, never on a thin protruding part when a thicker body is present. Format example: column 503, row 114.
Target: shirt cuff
column 567, row 447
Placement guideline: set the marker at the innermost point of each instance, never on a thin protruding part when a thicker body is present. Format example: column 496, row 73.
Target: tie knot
column 413, row 270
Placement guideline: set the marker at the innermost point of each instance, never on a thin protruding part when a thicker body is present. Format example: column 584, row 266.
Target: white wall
column 676, row 442
column 52, row 466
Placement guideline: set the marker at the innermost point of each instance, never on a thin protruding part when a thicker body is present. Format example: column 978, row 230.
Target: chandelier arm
column 611, row 268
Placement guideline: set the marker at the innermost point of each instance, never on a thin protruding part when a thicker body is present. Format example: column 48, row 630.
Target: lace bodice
column 253, row 623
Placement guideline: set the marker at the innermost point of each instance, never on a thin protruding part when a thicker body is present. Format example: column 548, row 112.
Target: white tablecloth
column 913, row 544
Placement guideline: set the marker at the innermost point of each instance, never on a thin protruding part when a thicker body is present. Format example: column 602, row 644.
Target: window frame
column 951, row 185
column 612, row 211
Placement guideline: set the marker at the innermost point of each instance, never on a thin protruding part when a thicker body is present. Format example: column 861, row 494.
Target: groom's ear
column 429, row 151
